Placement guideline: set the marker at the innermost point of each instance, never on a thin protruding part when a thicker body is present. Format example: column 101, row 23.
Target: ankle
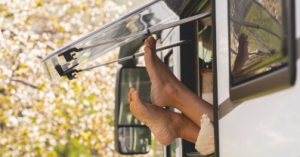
column 176, row 124
column 179, row 93
column 174, row 90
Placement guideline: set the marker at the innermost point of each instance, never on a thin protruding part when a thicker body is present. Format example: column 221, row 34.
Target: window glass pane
column 257, row 38
column 155, row 14
column 205, row 63
column 205, row 47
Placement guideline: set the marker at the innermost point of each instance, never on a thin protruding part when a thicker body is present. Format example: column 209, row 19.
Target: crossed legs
column 166, row 90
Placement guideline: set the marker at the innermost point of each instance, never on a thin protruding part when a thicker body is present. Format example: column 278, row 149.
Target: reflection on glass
column 134, row 139
column 257, row 41
column 205, row 47
column 156, row 14
column 137, row 78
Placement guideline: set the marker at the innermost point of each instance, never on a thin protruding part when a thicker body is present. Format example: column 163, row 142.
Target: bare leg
column 167, row 90
column 166, row 125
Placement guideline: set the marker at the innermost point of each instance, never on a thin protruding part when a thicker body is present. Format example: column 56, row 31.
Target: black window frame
column 273, row 80
column 189, row 70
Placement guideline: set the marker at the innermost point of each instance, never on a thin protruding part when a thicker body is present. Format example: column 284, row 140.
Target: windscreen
column 153, row 14
column 257, row 38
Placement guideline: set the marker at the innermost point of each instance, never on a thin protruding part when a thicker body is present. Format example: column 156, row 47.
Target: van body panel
column 263, row 126
column 222, row 49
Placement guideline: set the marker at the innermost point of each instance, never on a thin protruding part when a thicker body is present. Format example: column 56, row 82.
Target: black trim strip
column 215, row 79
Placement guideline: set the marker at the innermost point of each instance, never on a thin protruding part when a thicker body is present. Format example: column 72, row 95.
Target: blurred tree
column 42, row 118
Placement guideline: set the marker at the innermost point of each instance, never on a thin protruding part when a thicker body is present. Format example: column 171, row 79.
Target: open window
column 205, row 53
column 261, row 47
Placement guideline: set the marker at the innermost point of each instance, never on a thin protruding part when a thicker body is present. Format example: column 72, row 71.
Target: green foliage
column 64, row 118
column 74, row 149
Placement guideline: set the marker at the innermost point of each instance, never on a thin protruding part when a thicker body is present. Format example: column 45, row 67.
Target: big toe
column 153, row 63
column 137, row 106
column 136, row 98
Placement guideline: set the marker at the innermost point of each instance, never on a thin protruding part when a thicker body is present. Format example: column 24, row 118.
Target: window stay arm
column 69, row 57
column 71, row 72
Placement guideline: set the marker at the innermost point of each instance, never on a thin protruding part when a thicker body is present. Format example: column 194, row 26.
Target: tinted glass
column 205, row 47
column 134, row 139
column 154, row 14
column 257, row 38
column 139, row 79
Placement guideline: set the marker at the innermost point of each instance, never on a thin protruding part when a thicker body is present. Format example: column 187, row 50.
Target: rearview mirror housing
column 131, row 135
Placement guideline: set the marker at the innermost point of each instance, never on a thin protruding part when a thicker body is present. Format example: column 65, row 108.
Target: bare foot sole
column 165, row 86
column 159, row 120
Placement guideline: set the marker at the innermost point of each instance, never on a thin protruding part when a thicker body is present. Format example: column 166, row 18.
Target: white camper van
column 241, row 56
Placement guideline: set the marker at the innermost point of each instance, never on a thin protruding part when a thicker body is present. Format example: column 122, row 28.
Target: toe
column 147, row 42
column 138, row 107
column 136, row 98
column 130, row 93
column 152, row 42
column 132, row 109
column 150, row 45
column 147, row 50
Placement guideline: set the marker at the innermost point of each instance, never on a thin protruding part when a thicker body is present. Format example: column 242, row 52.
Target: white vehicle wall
column 264, row 126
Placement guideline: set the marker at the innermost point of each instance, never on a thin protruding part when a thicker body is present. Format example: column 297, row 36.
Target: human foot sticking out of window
column 167, row 90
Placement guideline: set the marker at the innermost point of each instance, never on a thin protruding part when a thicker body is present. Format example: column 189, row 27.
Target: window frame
column 189, row 70
column 273, row 80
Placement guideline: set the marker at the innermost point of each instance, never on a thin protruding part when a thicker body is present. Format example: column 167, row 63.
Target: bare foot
column 167, row 90
column 165, row 86
column 242, row 55
column 162, row 123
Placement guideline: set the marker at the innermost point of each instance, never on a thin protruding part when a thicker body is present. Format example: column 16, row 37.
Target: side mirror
column 131, row 135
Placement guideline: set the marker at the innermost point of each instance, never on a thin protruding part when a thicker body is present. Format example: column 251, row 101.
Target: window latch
column 69, row 54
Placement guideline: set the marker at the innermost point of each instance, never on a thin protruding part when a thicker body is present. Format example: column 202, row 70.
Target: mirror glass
column 137, row 78
column 134, row 139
